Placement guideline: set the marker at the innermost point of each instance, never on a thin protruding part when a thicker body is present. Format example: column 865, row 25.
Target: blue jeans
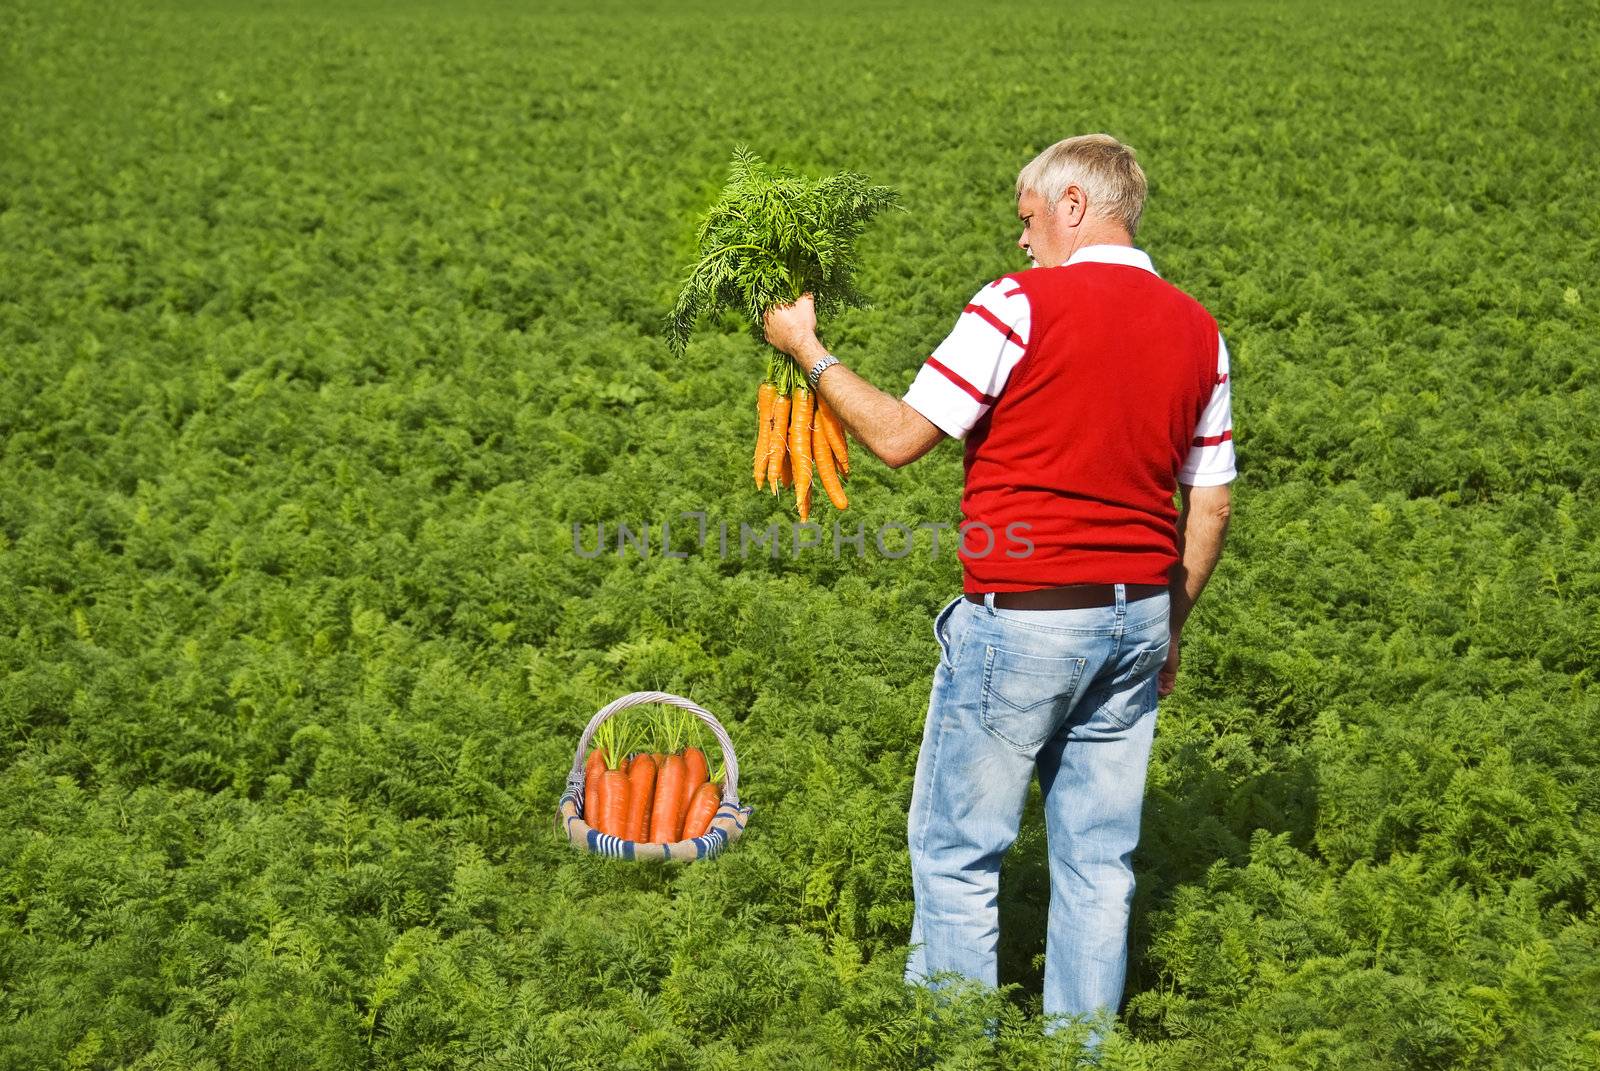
column 1071, row 693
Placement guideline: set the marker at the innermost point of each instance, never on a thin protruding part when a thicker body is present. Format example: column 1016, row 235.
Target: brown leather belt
column 1070, row 597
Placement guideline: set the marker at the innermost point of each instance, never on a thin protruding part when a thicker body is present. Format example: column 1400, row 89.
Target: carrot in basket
column 800, row 449
column 766, row 394
column 695, row 771
column 641, row 794
column 776, row 442
column 593, row 765
column 666, row 819
column 702, row 809
column 694, row 761
column 614, row 802
column 594, row 789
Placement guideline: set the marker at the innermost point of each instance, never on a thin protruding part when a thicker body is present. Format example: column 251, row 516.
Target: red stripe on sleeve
column 977, row 395
column 1214, row 440
column 995, row 322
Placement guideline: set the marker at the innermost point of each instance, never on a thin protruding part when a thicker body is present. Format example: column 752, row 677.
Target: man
column 1088, row 391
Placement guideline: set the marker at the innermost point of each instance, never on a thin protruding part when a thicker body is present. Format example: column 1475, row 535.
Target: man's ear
column 1074, row 204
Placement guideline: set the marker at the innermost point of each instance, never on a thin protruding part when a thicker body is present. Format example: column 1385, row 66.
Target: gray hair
column 1098, row 163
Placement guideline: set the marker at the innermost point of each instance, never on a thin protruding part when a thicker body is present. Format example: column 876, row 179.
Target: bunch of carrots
column 798, row 435
column 660, row 796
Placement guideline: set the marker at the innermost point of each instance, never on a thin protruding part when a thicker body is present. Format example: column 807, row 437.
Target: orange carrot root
column 836, row 436
column 776, row 442
column 666, row 820
column 702, row 809
column 614, row 803
column 800, row 449
column 766, row 394
column 593, row 790
column 695, row 773
column 829, row 476
column 641, row 794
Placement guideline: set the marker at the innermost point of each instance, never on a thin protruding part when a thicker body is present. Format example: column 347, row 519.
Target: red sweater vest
column 1079, row 456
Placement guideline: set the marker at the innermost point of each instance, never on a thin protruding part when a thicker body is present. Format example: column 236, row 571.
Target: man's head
column 1082, row 191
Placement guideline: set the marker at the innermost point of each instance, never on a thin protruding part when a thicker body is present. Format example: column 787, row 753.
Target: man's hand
column 792, row 328
column 890, row 428
column 1202, row 528
column 1168, row 677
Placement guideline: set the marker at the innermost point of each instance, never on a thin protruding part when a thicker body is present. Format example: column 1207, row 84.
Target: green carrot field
column 322, row 327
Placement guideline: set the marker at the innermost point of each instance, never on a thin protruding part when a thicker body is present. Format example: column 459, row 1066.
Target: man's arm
column 886, row 425
column 1202, row 528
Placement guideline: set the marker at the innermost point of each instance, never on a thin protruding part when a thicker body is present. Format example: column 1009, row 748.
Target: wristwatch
column 827, row 362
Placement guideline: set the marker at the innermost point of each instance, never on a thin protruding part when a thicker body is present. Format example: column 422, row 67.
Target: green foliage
column 321, row 327
column 772, row 237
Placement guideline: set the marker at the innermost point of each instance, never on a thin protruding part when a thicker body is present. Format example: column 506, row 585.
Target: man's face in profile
column 1036, row 239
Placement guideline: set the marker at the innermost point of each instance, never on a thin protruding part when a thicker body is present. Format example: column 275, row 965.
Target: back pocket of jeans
column 1151, row 660
column 1026, row 697
column 1137, row 695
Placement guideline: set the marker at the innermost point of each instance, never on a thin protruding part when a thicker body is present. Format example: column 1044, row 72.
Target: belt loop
column 1122, row 599
column 988, row 602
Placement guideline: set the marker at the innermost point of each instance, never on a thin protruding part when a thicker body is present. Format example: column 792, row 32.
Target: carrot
column 593, row 765
column 666, row 820
column 614, row 802
column 828, row 476
column 641, row 794
column 787, row 474
column 800, row 449
column 702, row 809
column 836, row 437
column 606, row 779
column 694, row 760
column 694, row 765
column 766, row 394
column 594, row 798
column 593, row 790
column 776, row 451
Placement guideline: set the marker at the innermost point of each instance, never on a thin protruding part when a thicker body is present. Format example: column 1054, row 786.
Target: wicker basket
column 725, row 827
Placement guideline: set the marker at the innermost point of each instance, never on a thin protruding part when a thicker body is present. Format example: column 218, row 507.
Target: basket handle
column 730, row 789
